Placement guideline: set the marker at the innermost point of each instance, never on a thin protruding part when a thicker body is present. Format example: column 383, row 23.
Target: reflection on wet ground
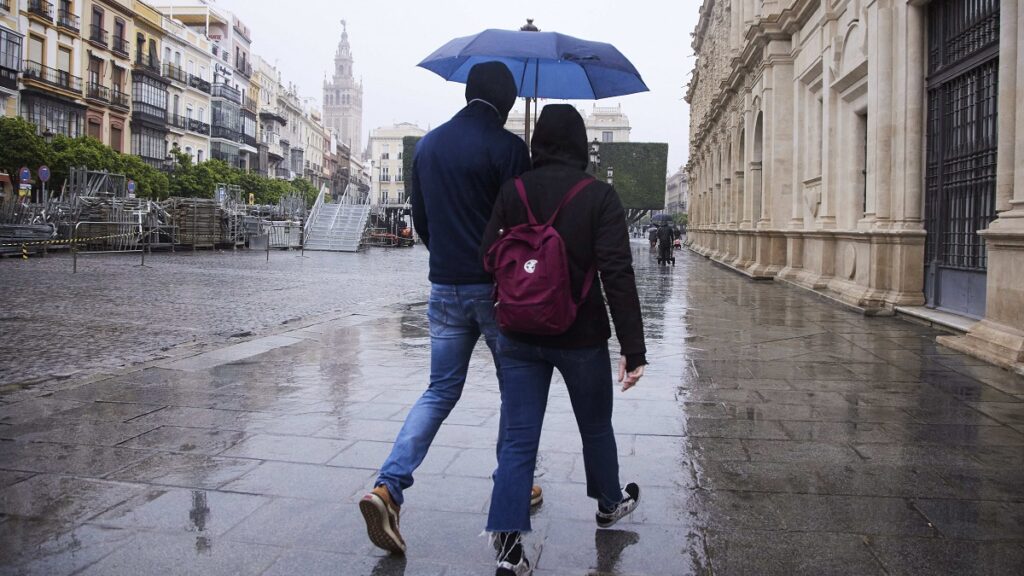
column 774, row 433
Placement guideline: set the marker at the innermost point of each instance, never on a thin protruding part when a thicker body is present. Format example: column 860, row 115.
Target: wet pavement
column 774, row 433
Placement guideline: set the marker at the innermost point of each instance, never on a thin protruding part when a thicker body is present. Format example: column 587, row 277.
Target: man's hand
column 629, row 379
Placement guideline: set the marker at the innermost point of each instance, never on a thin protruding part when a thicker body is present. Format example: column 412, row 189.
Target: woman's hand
column 631, row 378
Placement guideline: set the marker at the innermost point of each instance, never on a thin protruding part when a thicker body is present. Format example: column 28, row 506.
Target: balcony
column 243, row 67
column 147, row 62
column 8, row 76
column 224, row 133
column 99, row 92
column 248, row 140
column 283, row 173
column 177, row 121
column 175, row 72
column 249, row 105
column 119, row 98
column 5, row 5
column 198, row 83
column 52, row 77
column 198, row 127
column 120, row 46
column 66, row 19
column 148, row 112
column 40, row 9
column 269, row 115
column 97, row 35
column 226, row 92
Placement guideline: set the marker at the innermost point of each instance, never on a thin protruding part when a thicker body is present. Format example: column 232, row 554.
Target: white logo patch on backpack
column 530, row 266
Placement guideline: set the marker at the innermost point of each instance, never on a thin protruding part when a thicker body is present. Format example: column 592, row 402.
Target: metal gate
column 960, row 179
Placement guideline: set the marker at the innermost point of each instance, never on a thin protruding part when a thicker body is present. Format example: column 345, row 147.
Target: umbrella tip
column 529, row 27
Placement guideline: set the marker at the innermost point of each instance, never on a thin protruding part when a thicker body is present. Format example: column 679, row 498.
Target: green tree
column 21, row 146
column 307, row 189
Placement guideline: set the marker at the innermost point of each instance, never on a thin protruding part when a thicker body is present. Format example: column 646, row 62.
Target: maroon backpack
column 531, row 272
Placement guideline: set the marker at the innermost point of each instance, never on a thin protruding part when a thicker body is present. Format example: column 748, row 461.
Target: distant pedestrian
column 593, row 227
column 457, row 171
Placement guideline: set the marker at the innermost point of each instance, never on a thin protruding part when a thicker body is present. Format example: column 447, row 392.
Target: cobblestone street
column 774, row 432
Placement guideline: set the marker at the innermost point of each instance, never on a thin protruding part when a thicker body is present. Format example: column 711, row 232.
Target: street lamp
column 595, row 154
column 611, row 173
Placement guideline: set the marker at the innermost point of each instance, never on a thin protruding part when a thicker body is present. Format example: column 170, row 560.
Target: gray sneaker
column 622, row 509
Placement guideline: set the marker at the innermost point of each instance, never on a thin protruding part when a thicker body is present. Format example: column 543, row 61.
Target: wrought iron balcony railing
column 175, row 72
column 5, row 5
column 96, row 91
column 8, row 78
column 66, row 19
column 177, row 121
column 52, row 76
column 198, row 127
column 41, row 8
column 248, row 140
column 120, row 46
column 147, row 61
column 227, row 92
column 198, row 83
column 249, row 104
column 224, row 132
column 97, row 35
column 146, row 111
column 120, row 98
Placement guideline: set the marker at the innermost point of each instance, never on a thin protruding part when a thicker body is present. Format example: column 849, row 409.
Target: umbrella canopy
column 544, row 64
column 662, row 218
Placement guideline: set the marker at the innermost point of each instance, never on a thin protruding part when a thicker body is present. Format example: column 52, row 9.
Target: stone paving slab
column 774, row 433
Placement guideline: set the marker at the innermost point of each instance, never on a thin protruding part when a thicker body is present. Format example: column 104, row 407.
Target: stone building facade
column 870, row 150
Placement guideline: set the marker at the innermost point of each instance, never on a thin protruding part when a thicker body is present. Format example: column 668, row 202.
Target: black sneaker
column 511, row 558
column 608, row 518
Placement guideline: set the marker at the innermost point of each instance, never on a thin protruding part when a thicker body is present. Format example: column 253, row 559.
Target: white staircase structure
column 336, row 227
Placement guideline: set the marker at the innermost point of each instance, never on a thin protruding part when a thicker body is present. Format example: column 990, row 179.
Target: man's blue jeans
column 459, row 314
column 526, row 376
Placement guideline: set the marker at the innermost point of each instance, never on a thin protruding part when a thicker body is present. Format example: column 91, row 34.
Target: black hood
column 560, row 138
column 493, row 83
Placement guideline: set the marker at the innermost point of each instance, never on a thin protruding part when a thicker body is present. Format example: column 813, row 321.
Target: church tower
column 343, row 99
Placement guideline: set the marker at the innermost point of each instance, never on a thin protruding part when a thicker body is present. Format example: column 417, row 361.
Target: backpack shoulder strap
column 569, row 196
column 526, row 202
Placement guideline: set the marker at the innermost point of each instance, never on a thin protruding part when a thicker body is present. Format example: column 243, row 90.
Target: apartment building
column 387, row 180
column 51, row 95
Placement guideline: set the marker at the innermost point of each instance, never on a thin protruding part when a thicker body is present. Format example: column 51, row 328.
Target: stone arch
column 755, row 168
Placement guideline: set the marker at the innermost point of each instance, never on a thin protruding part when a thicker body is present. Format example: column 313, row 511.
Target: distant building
column 343, row 98
column 386, row 149
column 676, row 193
column 604, row 123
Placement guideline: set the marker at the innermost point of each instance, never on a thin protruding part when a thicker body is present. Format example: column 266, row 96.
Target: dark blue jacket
column 457, row 171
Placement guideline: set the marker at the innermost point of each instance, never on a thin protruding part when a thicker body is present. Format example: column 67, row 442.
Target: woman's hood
column 560, row 138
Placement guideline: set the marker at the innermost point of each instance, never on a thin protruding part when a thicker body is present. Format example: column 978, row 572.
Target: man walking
column 457, row 171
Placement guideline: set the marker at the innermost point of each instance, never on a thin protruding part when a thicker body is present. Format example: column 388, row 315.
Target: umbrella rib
column 590, row 81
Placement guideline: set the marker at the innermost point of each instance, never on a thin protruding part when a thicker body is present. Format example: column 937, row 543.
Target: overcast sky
column 389, row 37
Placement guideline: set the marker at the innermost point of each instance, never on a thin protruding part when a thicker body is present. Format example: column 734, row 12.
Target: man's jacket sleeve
column 419, row 211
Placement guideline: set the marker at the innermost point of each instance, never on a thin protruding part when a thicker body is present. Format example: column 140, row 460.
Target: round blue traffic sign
column 131, row 186
column 44, row 173
column 25, row 174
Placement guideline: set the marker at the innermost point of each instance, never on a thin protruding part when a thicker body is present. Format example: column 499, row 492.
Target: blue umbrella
column 545, row 64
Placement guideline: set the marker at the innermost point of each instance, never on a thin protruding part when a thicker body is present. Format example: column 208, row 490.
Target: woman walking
column 592, row 225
